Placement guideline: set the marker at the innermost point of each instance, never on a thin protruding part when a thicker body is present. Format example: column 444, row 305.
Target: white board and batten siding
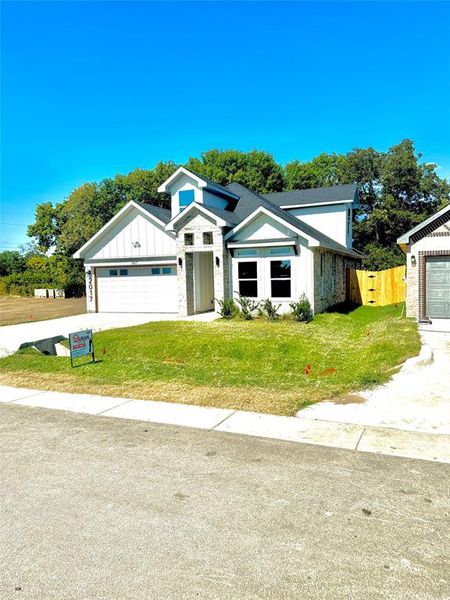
column 131, row 268
column 134, row 236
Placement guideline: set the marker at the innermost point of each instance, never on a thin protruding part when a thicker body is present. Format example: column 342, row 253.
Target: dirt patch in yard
column 17, row 309
column 349, row 399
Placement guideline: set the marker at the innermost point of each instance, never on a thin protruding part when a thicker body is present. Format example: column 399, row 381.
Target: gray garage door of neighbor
column 438, row 287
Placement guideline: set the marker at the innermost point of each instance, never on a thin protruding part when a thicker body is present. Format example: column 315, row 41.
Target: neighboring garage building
column 427, row 249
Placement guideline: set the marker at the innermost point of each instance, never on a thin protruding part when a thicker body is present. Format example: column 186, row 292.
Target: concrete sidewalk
column 417, row 398
column 379, row 440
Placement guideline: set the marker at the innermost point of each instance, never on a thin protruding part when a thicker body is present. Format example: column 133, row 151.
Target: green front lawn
column 255, row 365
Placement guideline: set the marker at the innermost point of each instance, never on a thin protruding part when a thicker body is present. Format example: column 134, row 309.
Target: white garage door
column 137, row 289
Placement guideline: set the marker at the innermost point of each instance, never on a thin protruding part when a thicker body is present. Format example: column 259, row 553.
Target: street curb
column 378, row 440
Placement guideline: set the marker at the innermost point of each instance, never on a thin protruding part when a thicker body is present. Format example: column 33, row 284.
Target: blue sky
column 94, row 89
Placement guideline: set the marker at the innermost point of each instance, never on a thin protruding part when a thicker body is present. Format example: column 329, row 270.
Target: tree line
column 397, row 191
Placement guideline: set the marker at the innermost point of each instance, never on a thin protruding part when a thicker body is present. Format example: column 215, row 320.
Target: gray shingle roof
column 163, row 214
column 227, row 215
column 212, row 184
column 335, row 193
column 250, row 201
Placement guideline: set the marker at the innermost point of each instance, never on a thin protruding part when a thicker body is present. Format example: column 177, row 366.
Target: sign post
column 81, row 344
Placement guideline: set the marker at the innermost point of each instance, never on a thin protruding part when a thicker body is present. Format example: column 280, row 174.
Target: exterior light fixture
column 413, row 261
column 180, row 262
column 136, row 245
column 217, row 262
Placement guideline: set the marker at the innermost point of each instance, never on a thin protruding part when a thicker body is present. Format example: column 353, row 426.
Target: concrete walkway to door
column 12, row 336
column 415, row 399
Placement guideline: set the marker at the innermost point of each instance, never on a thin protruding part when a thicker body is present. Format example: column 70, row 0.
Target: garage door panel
column 438, row 286
column 138, row 291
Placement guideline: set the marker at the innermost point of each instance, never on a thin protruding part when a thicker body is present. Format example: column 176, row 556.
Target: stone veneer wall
column 330, row 295
column 197, row 224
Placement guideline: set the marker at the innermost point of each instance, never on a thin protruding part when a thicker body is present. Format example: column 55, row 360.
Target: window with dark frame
column 188, row 239
column 280, row 278
column 113, row 272
column 155, row 271
column 207, row 238
column 248, row 279
column 123, row 272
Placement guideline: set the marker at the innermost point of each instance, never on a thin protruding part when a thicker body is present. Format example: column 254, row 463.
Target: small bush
column 301, row 310
column 269, row 310
column 227, row 308
column 247, row 307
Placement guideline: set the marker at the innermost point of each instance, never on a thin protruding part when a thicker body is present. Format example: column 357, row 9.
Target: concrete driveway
column 414, row 399
column 96, row 508
column 12, row 336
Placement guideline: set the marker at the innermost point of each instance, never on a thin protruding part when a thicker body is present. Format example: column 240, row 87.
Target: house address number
column 90, row 286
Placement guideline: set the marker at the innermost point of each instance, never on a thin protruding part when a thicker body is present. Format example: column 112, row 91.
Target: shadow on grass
column 343, row 308
column 85, row 364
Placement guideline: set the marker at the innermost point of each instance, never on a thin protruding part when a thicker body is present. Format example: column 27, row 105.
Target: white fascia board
column 164, row 187
column 219, row 221
column 262, row 210
column 132, row 204
column 330, row 203
column 261, row 244
column 129, row 262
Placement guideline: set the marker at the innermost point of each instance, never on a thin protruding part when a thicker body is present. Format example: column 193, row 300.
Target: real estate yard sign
column 81, row 344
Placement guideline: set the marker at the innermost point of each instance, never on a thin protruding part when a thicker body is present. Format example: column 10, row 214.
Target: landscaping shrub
column 269, row 310
column 301, row 310
column 227, row 308
column 247, row 307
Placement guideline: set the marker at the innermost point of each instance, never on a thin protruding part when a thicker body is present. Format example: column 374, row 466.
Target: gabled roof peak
column 202, row 182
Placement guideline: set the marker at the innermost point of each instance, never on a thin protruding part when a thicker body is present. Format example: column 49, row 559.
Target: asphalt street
column 95, row 508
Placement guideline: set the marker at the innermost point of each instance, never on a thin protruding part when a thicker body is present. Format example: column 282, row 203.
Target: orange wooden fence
column 376, row 288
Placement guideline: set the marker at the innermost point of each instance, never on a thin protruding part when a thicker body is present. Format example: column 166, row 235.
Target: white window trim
column 280, row 298
column 241, row 245
column 249, row 260
column 263, row 260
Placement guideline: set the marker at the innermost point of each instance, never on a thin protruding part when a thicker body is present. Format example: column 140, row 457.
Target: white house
column 217, row 242
column 427, row 249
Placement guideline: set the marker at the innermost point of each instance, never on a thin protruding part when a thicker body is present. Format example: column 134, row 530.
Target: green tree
column 11, row 261
column 256, row 170
column 323, row 170
column 45, row 229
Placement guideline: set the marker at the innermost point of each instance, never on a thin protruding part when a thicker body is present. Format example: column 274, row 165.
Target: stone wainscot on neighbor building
column 427, row 249
column 218, row 241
